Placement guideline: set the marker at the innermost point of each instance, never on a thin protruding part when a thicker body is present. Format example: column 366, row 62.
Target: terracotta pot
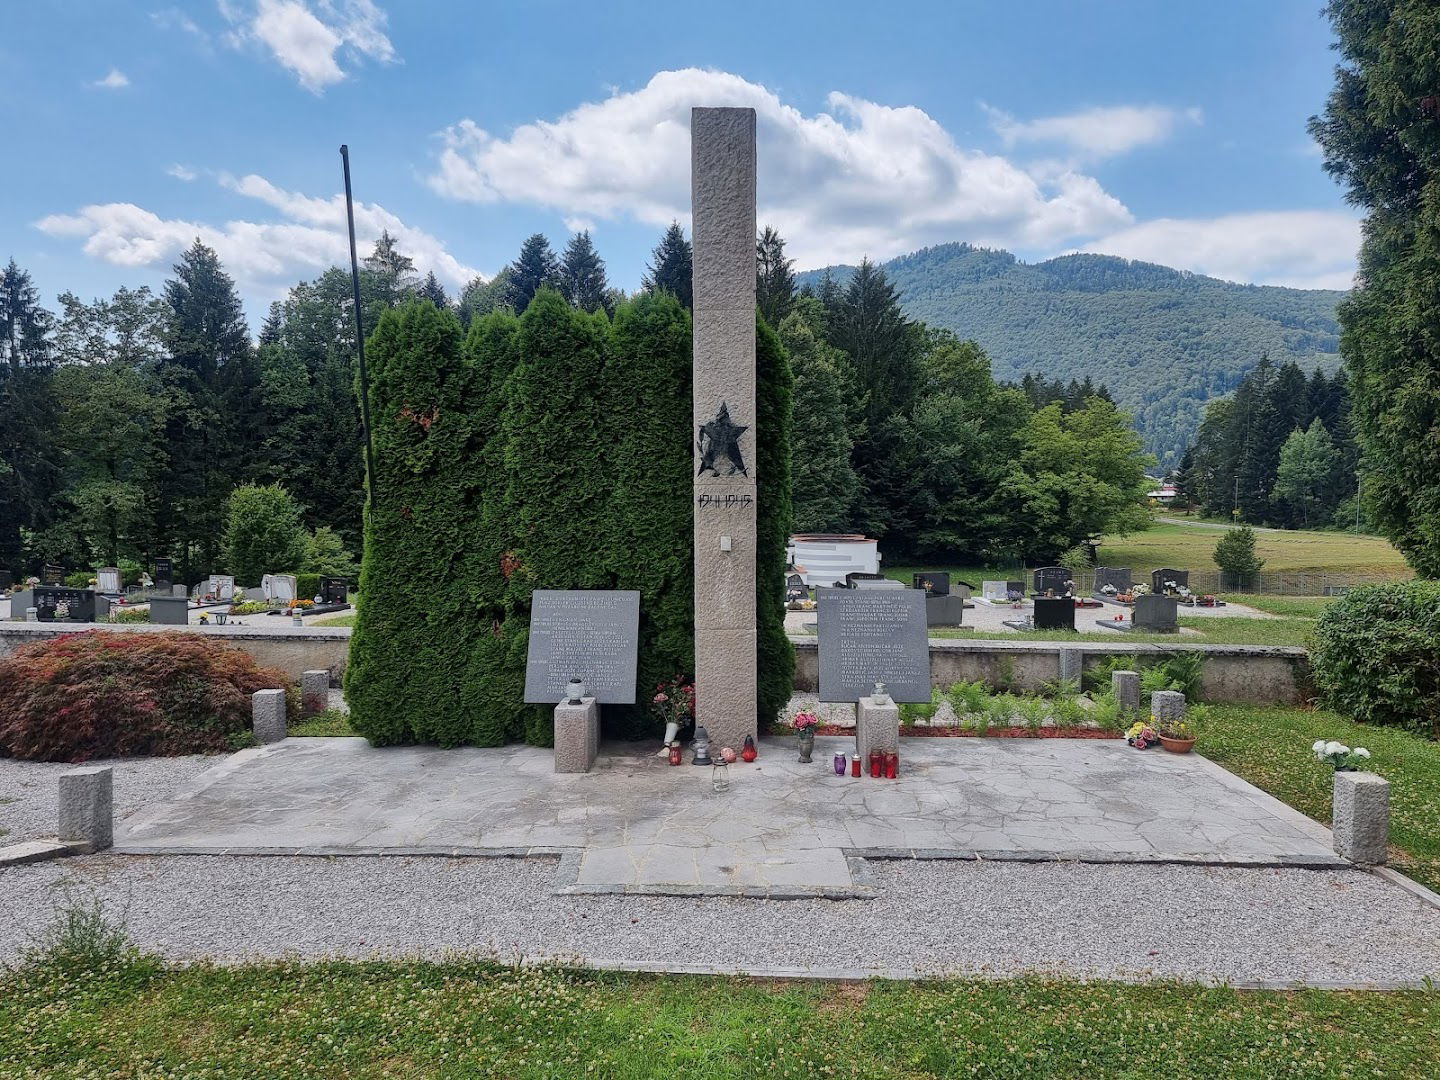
column 1177, row 746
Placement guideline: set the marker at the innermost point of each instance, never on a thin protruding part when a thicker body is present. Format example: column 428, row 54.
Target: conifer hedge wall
column 552, row 451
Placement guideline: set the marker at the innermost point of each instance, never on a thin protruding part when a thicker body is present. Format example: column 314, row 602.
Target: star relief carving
column 719, row 445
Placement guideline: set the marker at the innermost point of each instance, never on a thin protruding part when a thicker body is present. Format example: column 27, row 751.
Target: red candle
column 675, row 755
column 892, row 765
column 877, row 763
column 748, row 752
column 855, row 765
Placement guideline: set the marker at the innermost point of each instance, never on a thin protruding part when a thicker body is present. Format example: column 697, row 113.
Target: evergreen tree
column 823, row 476
column 774, row 277
column 774, row 423
column 210, row 376
column 1378, row 134
column 1236, row 558
column 393, row 272
column 582, row 275
column 1305, row 476
column 672, row 267
column 29, row 473
column 263, row 533
column 533, row 270
column 480, row 298
column 431, row 289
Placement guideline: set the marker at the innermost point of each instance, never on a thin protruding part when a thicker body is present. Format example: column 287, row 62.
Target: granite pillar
column 577, row 735
column 877, row 726
column 267, row 715
column 1361, row 817
column 86, row 808
column 315, row 691
column 1126, row 687
column 722, row 158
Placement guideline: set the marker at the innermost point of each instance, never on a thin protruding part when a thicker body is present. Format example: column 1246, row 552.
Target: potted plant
column 1177, row 736
column 674, row 706
column 804, row 723
column 1342, row 757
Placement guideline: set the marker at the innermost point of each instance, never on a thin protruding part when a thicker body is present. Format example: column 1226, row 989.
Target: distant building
column 1165, row 494
column 822, row 559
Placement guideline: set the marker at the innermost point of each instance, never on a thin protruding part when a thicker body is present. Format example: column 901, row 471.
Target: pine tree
column 29, row 470
column 431, row 289
column 1378, row 135
column 774, row 277
column 480, row 298
column 582, row 275
column 672, row 267
column 534, row 269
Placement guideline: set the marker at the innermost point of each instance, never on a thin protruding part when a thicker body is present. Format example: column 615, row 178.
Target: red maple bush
column 100, row 694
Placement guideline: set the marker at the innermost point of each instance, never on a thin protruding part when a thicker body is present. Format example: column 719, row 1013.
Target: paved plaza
column 782, row 828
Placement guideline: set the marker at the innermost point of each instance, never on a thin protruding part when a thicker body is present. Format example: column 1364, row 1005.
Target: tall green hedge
column 774, row 420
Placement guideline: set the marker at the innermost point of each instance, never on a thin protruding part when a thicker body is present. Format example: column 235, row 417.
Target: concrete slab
column 640, row 824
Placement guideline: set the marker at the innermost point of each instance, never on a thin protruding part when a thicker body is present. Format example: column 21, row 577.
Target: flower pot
column 807, row 745
column 1177, row 746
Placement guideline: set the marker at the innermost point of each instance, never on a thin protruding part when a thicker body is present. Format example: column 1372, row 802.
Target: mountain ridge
column 1164, row 341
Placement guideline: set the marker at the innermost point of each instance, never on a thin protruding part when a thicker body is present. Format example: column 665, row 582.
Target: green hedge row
column 547, row 451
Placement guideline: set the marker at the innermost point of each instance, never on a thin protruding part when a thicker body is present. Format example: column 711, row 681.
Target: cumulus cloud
column 1097, row 133
column 1308, row 249
column 856, row 178
column 307, row 237
column 116, row 80
column 309, row 40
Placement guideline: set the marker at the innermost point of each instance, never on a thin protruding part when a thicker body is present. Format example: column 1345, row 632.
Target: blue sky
column 1173, row 133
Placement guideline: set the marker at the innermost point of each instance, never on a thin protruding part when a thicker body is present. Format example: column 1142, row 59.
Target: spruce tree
column 431, row 289
column 582, row 275
column 534, row 269
column 774, row 422
column 824, row 480
column 1379, row 137
column 480, row 298
column 392, row 271
column 29, row 469
column 671, row 267
column 774, row 277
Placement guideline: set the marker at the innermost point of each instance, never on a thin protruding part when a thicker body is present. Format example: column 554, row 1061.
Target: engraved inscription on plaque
column 869, row 636
column 591, row 633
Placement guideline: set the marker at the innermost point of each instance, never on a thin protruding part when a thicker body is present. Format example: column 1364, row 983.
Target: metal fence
column 1273, row 583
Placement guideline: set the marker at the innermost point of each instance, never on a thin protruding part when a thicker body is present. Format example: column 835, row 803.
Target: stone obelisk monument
column 722, row 189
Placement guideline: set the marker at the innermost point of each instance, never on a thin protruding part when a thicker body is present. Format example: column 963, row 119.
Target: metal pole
column 359, row 335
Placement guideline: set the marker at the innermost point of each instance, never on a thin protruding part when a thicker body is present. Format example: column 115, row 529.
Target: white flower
column 1360, row 752
column 1318, row 746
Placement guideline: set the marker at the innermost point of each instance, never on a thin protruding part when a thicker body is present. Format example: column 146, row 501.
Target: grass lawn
column 331, row 722
column 1306, row 607
column 1271, row 749
column 470, row 1019
column 334, row 620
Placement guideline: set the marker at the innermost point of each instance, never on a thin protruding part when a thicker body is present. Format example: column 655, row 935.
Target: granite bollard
column 314, row 691
column 267, row 714
column 1361, row 817
column 1126, row 687
column 1072, row 665
column 877, row 725
column 577, row 735
column 1167, row 707
column 87, row 808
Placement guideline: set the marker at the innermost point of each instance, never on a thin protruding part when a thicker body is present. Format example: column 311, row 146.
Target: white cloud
column 306, row 39
column 1308, row 249
column 858, row 178
column 181, row 172
column 264, row 257
column 116, row 80
column 1097, row 133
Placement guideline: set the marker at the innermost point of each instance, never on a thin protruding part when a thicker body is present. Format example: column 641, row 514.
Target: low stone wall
column 1232, row 674
column 292, row 649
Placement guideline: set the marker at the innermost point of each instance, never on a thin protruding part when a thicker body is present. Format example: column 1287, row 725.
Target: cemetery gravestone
column 933, row 584
column 335, row 590
column 1159, row 577
column 278, row 587
column 997, row 591
column 60, row 604
column 52, row 574
column 107, row 581
column 1015, row 590
column 221, row 586
column 1054, row 613
column 170, row 610
column 869, row 636
column 877, row 582
column 590, row 633
column 164, row 575
column 1051, row 579
column 1156, row 614
column 1118, row 577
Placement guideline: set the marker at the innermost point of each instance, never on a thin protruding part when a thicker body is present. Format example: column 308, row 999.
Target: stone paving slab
column 641, row 823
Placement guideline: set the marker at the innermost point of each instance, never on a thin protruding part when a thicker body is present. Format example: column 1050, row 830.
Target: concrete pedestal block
column 170, row 610
column 877, row 726
column 267, row 713
column 577, row 735
column 182, row 591
column 87, row 802
column 1361, row 814
column 314, row 691
column 1167, row 706
column 1072, row 664
column 1126, row 687
column 947, row 610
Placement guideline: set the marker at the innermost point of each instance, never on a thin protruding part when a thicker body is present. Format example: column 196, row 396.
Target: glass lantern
column 575, row 690
column 702, row 746
column 720, row 774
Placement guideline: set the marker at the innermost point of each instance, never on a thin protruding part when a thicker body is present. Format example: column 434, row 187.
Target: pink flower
column 660, row 699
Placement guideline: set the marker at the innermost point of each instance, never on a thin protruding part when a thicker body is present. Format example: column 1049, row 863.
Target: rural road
column 1211, row 525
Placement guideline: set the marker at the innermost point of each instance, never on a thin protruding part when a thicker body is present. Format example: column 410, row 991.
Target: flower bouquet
column 1142, row 736
column 804, row 722
column 1337, row 754
column 674, row 705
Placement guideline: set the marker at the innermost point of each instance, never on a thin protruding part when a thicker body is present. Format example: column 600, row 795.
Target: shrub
column 79, row 579
column 306, row 586
column 1235, row 556
column 111, row 694
column 263, row 534
column 1376, row 656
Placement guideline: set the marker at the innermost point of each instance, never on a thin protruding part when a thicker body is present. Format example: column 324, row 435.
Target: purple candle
column 840, row 764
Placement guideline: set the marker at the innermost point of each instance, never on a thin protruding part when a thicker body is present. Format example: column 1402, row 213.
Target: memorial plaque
column 107, row 580
column 334, row 590
column 164, row 574
column 52, row 574
column 934, row 583
column 58, row 604
column 592, row 633
column 869, row 636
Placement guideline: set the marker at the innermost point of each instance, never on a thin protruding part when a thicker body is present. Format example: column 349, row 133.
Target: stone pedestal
column 1072, row 665
column 947, row 610
column 877, row 726
column 86, row 809
column 314, row 692
column 170, row 610
column 722, row 158
column 1126, row 687
column 577, row 735
column 1167, row 706
column 267, row 713
column 1361, row 817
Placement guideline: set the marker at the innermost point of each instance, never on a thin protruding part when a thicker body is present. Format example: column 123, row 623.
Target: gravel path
column 1242, row 926
column 29, row 789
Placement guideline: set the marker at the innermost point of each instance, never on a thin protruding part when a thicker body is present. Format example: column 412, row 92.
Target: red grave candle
column 855, row 765
column 877, row 763
column 892, row 765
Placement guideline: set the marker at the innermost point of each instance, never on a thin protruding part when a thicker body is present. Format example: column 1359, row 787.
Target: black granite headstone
column 52, row 574
column 1156, row 614
column 59, row 604
column 1118, row 576
column 164, row 573
column 933, row 583
column 1051, row 579
column 855, row 575
column 1158, row 578
column 334, row 590
column 592, row 633
column 1054, row 613
column 869, row 636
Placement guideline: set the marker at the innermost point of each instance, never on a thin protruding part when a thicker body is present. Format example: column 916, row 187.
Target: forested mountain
column 1163, row 341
